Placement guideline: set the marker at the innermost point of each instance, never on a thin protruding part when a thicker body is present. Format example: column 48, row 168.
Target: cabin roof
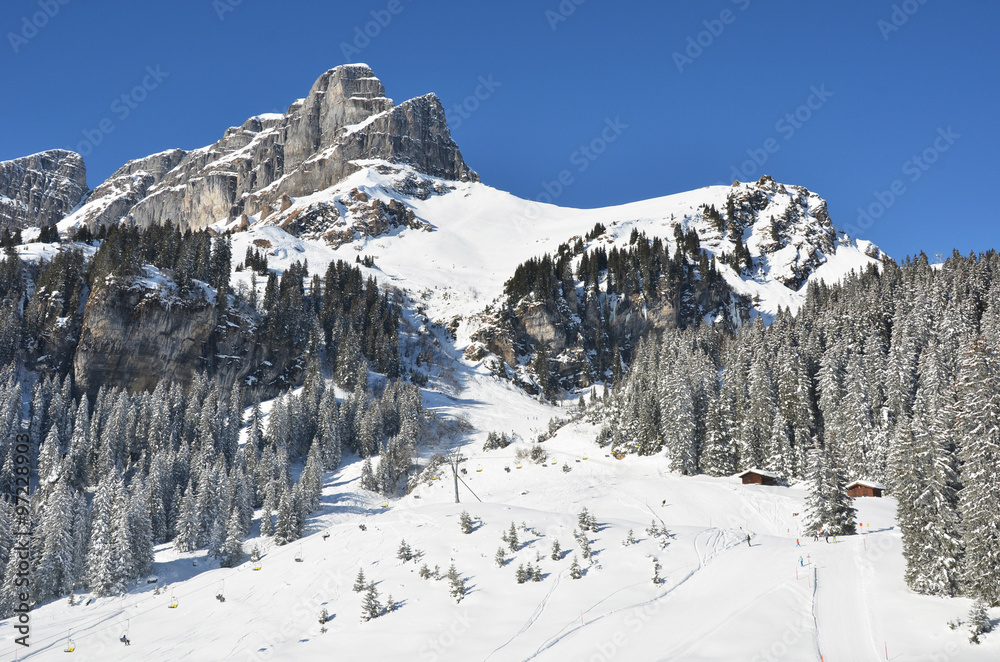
column 760, row 472
column 867, row 483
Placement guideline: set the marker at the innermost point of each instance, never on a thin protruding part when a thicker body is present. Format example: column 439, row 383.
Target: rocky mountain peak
column 345, row 118
column 41, row 189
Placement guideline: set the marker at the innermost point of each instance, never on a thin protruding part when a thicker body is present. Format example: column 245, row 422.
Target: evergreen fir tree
column 232, row 551
column 456, row 584
column 371, row 607
column 978, row 433
column 828, row 506
column 465, row 521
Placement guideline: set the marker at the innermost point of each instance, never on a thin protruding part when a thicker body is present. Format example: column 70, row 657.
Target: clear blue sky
column 884, row 93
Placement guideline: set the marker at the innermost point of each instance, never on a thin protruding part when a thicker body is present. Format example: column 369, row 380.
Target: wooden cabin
column 758, row 477
column 864, row 488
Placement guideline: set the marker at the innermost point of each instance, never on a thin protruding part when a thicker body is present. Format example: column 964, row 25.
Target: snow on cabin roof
column 867, row 483
column 760, row 472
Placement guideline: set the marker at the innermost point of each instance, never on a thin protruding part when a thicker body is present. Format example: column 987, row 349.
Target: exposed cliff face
column 41, row 189
column 134, row 337
column 345, row 117
column 567, row 327
column 126, row 188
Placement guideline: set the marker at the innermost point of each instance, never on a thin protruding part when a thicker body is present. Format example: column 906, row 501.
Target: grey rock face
column 113, row 199
column 41, row 189
column 134, row 338
column 345, row 117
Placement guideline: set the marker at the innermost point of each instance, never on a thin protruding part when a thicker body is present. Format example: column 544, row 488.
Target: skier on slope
column 748, row 541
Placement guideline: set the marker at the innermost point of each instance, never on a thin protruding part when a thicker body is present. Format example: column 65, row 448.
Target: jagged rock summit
column 346, row 117
column 41, row 189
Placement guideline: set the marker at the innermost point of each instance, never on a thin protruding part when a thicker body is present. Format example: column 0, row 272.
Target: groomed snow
column 721, row 598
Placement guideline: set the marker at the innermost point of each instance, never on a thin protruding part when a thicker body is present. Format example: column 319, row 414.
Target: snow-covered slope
column 720, row 599
column 452, row 245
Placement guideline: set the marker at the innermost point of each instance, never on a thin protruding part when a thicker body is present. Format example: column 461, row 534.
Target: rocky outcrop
column 345, row 118
column 134, row 337
column 41, row 189
column 790, row 228
column 345, row 218
column 113, row 199
column 512, row 334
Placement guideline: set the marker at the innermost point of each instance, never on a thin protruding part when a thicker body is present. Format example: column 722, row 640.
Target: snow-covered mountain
column 450, row 247
column 345, row 117
column 347, row 175
column 345, row 172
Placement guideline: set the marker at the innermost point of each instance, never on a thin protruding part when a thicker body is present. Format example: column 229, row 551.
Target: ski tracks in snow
column 843, row 613
column 531, row 619
column 717, row 541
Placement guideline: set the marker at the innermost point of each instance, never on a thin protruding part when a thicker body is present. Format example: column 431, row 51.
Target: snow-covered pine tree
column 232, row 550
column 371, row 607
column 54, row 571
column 978, row 432
column 924, row 479
column 286, row 526
column 979, row 621
column 109, row 557
column 456, row 584
column 465, row 522
column 828, row 506
column 136, row 531
column 520, row 575
column 718, row 457
column 368, row 481
column 187, row 525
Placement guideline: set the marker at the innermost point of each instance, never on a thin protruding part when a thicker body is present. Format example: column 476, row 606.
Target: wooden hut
column 758, row 477
column 864, row 488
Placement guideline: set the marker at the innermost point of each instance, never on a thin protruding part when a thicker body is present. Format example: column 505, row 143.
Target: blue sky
column 887, row 107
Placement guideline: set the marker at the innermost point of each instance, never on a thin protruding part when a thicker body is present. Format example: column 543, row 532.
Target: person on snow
column 748, row 541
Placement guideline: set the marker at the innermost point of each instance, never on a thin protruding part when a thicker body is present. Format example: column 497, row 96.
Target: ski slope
column 721, row 599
